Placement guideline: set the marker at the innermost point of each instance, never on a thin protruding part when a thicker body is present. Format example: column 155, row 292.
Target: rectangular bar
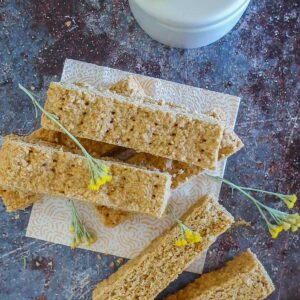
column 145, row 276
column 110, row 217
column 129, row 122
column 180, row 171
column 244, row 277
column 50, row 170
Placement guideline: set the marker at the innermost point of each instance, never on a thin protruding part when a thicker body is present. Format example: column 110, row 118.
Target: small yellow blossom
column 294, row 228
column 103, row 180
column 181, row 242
column 197, row 238
column 72, row 228
column 275, row 230
column 286, row 226
column 94, row 186
column 289, row 200
column 192, row 237
column 282, row 220
column 81, row 235
column 187, row 236
column 292, row 218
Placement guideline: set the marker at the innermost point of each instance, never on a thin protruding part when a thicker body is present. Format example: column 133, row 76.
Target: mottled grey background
column 258, row 61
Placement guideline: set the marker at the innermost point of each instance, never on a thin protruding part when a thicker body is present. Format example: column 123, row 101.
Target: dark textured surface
column 258, row 60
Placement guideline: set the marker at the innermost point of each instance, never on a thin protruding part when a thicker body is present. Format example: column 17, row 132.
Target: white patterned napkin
column 50, row 218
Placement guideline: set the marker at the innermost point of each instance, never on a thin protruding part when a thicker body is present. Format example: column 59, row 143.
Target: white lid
column 189, row 13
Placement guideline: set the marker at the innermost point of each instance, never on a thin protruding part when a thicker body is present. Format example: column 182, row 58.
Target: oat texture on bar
column 129, row 122
column 244, row 277
column 145, row 276
column 45, row 169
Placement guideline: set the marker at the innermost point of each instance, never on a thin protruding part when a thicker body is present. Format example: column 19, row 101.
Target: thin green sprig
column 279, row 220
column 98, row 170
column 81, row 234
column 289, row 200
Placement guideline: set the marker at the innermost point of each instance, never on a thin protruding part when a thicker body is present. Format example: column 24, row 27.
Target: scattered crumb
column 99, row 256
column 112, row 264
column 120, row 261
column 50, row 264
column 17, row 217
column 241, row 222
column 37, row 264
column 32, row 88
column 68, row 23
column 97, row 266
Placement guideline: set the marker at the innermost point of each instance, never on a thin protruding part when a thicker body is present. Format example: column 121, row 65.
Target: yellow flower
column 92, row 239
column 73, row 246
column 275, row 230
column 189, row 234
column 103, row 180
column 192, row 237
column 89, row 239
column 75, row 243
column 81, row 235
column 94, row 186
column 286, row 226
column 72, row 228
column 294, row 228
column 197, row 238
column 181, row 242
column 294, row 219
column 289, row 200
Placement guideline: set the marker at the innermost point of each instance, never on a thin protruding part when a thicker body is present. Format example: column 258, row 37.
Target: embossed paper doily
column 50, row 217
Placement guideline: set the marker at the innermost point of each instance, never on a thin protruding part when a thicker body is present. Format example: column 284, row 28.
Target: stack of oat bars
column 150, row 147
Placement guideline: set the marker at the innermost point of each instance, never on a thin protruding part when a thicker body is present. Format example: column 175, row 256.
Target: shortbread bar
column 45, row 169
column 129, row 122
column 243, row 278
column 145, row 276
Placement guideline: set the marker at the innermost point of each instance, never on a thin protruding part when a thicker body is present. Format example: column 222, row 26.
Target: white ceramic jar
column 187, row 23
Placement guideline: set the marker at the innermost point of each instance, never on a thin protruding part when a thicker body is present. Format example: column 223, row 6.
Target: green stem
column 170, row 208
column 261, row 191
column 257, row 203
column 55, row 120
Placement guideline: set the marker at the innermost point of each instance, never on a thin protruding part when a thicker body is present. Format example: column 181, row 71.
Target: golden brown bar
column 182, row 172
column 42, row 169
column 179, row 171
column 243, row 278
column 129, row 122
column 161, row 262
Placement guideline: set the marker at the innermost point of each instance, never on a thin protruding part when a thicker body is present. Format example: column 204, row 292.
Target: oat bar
column 110, row 217
column 161, row 262
column 49, row 170
column 244, row 278
column 129, row 122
